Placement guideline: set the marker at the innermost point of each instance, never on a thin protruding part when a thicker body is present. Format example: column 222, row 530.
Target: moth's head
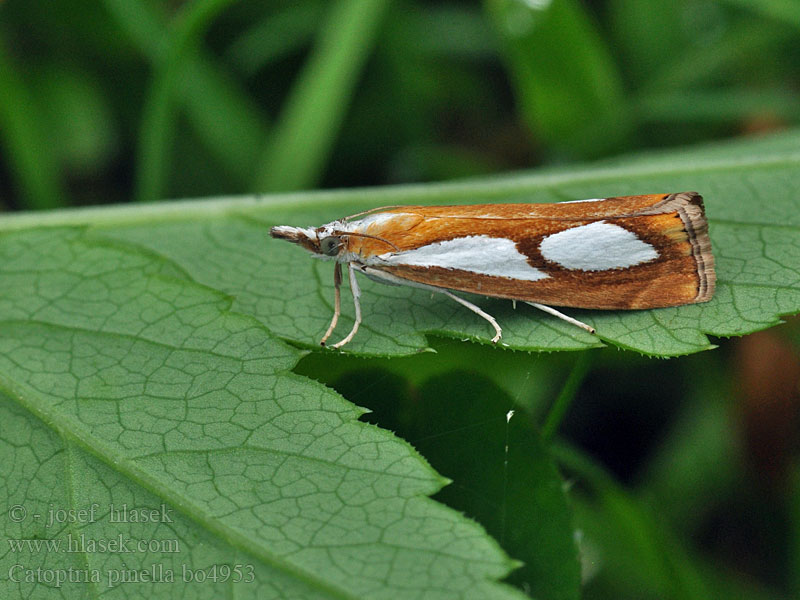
column 321, row 240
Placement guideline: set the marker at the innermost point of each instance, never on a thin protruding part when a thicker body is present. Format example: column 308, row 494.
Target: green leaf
column 125, row 386
column 502, row 474
column 139, row 366
column 754, row 219
column 532, row 383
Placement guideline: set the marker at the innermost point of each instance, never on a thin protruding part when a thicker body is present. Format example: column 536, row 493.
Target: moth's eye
column 330, row 245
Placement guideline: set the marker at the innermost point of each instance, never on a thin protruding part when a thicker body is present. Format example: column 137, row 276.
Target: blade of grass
column 27, row 148
column 295, row 155
column 634, row 541
column 275, row 36
column 567, row 394
column 158, row 120
column 636, row 33
column 444, row 32
column 206, row 92
column 785, row 11
column 566, row 83
column 793, row 497
column 749, row 159
column 711, row 106
column 698, row 65
column 638, row 552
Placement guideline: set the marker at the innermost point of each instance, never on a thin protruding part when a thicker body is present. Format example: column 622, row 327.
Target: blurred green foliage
column 107, row 101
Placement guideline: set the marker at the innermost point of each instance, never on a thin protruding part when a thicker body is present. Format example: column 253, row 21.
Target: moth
column 620, row 253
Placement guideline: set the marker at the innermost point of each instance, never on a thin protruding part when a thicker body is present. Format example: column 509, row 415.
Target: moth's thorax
column 381, row 233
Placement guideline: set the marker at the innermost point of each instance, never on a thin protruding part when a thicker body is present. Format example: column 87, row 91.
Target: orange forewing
column 674, row 224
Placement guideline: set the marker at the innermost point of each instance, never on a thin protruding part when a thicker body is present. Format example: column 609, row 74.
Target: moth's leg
column 356, row 295
column 560, row 315
column 337, row 302
column 380, row 275
column 478, row 311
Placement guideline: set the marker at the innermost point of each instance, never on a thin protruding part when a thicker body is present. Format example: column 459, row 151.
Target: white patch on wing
column 579, row 201
column 597, row 246
column 480, row 254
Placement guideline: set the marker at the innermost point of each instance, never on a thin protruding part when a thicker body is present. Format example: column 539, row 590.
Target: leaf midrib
column 69, row 430
column 202, row 210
